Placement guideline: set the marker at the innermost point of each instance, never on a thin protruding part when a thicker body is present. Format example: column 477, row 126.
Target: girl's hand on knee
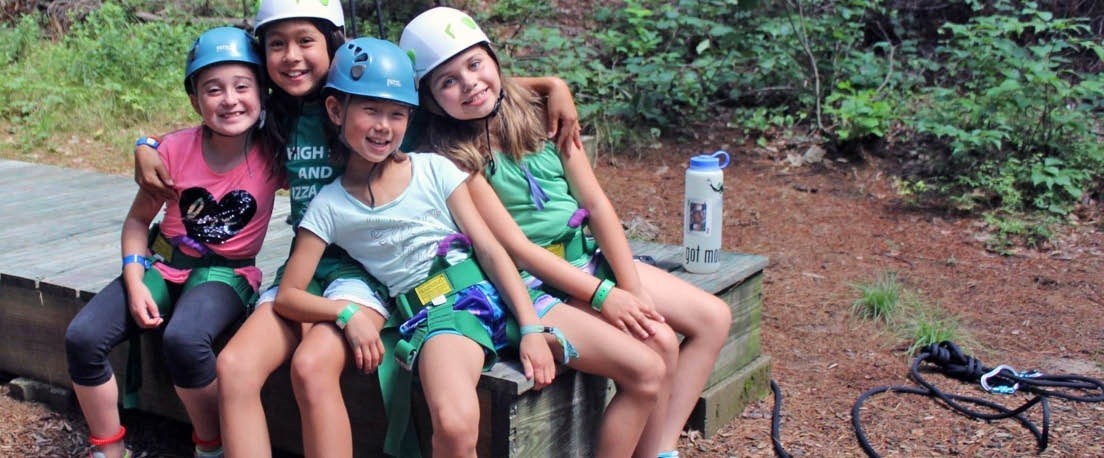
column 628, row 313
column 537, row 361
column 365, row 342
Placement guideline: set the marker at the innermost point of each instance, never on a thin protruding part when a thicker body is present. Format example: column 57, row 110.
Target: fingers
column 527, row 367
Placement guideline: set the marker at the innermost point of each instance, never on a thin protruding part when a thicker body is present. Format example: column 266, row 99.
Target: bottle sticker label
column 697, row 217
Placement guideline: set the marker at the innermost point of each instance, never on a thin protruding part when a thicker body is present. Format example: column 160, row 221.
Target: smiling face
column 296, row 56
column 228, row 98
column 467, row 86
column 372, row 128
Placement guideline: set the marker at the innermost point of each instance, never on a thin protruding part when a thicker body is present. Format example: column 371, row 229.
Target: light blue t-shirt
column 396, row 242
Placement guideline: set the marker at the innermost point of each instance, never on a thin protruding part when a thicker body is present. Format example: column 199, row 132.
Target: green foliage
column 109, row 70
column 878, row 300
column 1009, row 230
column 1013, row 115
column 859, row 112
column 16, row 41
column 931, row 325
column 653, row 67
column 905, row 313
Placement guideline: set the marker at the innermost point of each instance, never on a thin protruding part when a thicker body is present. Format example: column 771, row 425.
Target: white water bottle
column 701, row 222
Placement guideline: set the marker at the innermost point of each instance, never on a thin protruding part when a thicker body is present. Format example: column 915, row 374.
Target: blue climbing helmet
column 370, row 67
column 216, row 46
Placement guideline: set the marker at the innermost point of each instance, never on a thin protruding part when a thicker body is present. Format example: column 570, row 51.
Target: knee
column 86, row 356
column 237, row 373
column 314, row 374
column 715, row 321
column 665, row 342
column 646, row 377
column 80, row 343
column 456, row 428
column 184, row 346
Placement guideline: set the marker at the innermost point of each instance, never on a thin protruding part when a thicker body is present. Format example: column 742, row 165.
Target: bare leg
column 666, row 344
column 100, row 406
column 259, row 347
column 202, row 407
column 704, row 320
column 449, row 366
column 316, row 378
column 637, row 371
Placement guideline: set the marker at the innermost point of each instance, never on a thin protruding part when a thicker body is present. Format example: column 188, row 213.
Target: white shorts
column 341, row 289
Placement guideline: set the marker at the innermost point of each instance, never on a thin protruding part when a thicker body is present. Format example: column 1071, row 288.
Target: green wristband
column 347, row 314
column 600, row 294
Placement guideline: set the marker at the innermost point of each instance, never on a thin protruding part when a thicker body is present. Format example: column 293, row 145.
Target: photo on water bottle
column 698, row 219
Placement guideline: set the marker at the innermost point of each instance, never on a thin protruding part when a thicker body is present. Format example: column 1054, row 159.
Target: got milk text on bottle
column 701, row 221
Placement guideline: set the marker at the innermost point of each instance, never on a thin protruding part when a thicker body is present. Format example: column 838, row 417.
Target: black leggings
column 199, row 316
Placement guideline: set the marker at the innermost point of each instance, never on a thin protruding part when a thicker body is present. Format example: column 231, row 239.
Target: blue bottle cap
column 709, row 161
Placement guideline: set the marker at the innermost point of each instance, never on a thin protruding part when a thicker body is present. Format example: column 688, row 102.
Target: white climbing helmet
column 438, row 34
column 275, row 10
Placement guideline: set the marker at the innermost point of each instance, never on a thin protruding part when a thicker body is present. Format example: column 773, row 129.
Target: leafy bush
column 652, row 68
column 1016, row 119
column 109, row 70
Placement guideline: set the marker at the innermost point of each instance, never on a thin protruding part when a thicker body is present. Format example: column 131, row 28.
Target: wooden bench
column 60, row 240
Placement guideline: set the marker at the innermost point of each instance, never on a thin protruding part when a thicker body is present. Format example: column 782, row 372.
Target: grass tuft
column 878, row 300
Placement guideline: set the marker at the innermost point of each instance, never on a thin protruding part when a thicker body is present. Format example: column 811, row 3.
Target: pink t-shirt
column 226, row 212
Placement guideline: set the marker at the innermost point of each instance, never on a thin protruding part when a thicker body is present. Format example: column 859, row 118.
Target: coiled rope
column 946, row 358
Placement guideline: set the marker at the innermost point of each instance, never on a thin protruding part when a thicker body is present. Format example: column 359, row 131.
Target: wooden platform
column 59, row 240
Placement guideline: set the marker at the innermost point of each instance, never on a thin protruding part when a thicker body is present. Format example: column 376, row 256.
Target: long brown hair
column 518, row 126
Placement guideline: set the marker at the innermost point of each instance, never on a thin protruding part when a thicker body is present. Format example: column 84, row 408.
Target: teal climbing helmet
column 220, row 45
column 370, row 67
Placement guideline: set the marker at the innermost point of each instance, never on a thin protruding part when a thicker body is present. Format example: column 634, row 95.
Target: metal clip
column 999, row 389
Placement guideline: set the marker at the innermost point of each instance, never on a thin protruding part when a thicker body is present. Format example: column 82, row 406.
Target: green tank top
column 545, row 225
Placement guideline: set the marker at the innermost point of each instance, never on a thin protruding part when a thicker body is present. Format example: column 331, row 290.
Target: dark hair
column 283, row 109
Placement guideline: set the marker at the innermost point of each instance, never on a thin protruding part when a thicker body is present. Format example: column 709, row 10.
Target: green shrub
column 109, row 72
column 1016, row 119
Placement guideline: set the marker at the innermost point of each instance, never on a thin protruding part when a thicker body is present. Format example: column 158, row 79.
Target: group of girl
column 393, row 267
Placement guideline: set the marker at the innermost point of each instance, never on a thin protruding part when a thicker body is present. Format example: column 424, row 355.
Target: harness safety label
column 436, row 286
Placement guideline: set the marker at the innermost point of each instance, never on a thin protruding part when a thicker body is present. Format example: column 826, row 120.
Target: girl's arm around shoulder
column 562, row 116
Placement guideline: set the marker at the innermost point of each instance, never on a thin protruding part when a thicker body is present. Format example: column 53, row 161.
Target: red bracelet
column 102, row 441
column 209, row 445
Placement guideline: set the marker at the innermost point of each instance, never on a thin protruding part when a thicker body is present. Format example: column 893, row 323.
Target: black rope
column 949, row 360
column 776, row 422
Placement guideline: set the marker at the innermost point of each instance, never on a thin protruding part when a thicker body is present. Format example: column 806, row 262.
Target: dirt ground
column 825, row 227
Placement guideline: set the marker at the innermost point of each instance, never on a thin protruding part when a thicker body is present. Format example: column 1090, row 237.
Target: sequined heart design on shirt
column 214, row 221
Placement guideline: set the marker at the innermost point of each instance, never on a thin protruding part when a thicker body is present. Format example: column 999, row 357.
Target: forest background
column 943, row 156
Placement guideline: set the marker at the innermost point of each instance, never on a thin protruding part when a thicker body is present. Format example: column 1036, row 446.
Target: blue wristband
column 568, row 349
column 151, row 142
column 137, row 258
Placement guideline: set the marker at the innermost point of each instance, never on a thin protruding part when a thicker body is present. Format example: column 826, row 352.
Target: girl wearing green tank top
column 486, row 123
